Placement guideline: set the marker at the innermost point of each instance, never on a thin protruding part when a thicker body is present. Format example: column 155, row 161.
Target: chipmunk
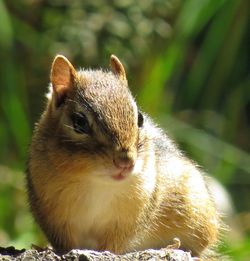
column 101, row 175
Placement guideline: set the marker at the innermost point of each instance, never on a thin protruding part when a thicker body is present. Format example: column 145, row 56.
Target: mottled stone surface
column 84, row 255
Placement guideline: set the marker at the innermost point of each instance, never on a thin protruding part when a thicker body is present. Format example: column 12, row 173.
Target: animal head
column 94, row 114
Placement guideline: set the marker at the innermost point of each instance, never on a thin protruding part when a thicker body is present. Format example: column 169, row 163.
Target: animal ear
column 62, row 77
column 117, row 67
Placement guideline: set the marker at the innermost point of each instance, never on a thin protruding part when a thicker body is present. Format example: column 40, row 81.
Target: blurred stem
column 12, row 107
column 5, row 27
column 227, row 55
column 208, row 53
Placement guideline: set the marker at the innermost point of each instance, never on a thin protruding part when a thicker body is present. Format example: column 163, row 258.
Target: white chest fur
column 88, row 207
column 92, row 207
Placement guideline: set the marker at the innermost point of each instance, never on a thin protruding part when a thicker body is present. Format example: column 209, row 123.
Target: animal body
column 101, row 175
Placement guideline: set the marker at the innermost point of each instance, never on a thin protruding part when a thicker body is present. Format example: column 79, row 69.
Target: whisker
column 69, row 126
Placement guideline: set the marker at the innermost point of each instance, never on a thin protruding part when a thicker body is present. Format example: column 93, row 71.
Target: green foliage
column 238, row 252
column 207, row 86
column 188, row 59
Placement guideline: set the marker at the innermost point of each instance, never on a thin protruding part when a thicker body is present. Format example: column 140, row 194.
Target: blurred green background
column 188, row 63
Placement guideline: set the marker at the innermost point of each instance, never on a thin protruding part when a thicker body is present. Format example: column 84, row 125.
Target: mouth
column 122, row 174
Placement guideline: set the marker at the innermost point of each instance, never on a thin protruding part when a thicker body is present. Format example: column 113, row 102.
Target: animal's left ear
column 117, row 67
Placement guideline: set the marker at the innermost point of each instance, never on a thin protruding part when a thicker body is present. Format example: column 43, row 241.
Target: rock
column 10, row 253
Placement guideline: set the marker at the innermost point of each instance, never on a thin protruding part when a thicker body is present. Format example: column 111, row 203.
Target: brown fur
column 72, row 193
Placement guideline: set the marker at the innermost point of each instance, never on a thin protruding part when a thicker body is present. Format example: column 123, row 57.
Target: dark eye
column 80, row 123
column 140, row 119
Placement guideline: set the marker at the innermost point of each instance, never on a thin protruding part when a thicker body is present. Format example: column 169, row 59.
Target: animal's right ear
column 117, row 67
column 62, row 77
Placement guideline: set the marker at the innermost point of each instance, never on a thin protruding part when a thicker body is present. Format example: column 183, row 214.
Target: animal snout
column 124, row 160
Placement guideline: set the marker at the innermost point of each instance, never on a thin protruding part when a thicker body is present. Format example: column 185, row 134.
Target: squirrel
column 101, row 175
